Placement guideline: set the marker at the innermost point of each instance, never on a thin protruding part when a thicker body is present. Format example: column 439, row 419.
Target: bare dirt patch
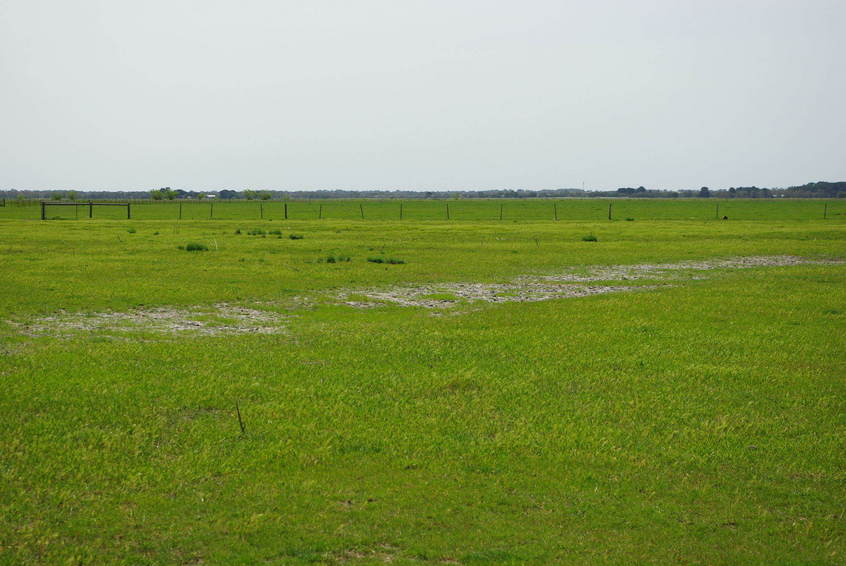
column 219, row 319
column 574, row 282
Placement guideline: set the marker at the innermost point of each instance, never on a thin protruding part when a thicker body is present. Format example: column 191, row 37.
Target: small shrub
column 238, row 232
column 155, row 233
column 334, row 259
column 629, row 219
column 590, row 238
column 195, row 247
column 132, row 230
column 296, row 237
column 256, row 232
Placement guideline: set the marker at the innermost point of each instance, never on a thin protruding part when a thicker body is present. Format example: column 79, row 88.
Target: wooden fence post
column 447, row 210
column 609, row 211
column 400, row 211
column 43, row 214
column 555, row 210
column 825, row 210
column 286, row 211
column 500, row 211
column 361, row 209
column 90, row 209
column 180, row 211
column 320, row 211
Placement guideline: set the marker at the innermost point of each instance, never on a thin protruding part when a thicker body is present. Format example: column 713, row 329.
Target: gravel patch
column 219, row 319
column 574, row 282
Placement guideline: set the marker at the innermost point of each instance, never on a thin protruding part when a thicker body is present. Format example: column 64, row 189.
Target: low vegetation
column 489, row 402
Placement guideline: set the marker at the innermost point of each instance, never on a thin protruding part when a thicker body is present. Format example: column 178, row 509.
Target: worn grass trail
column 698, row 423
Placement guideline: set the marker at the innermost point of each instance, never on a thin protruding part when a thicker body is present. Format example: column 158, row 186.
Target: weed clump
column 238, row 232
column 256, row 232
column 390, row 260
column 334, row 259
column 296, row 236
column 590, row 238
column 132, row 230
column 195, row 247
column 629, row 219
column 275, row 232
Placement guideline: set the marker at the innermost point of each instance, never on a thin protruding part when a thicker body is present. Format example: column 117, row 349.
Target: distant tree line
column 820, row 189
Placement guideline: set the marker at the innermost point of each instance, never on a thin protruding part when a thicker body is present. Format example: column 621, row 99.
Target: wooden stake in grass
column 180, row 211
column 361, row 210
column 320, row 211
column 447, row 210
column 240, row 420
column 286, row 211
column 261, row 211
column 825, row 210
column 211, row 209
column 555, row 210
column 609, row 211
column 500, row 211
column 400, row 211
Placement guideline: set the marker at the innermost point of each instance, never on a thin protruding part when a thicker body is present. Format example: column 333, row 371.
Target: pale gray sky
column 416, row 94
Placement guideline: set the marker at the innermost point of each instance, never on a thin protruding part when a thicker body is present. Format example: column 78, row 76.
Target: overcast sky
column 421, row 94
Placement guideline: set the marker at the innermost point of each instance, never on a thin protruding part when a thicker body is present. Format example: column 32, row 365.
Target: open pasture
column 669, row 404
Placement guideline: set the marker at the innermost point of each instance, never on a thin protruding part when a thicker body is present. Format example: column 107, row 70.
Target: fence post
column 320, row 212
column 211, row 209
column 43, row 215
column 555, row 210
column 500, row 211
column 128, row 211
column 261, row 211
column 180, row 211
column 361, row 209
column 825, row 210
column 447, row 210
column 400, row 210
column 609, row 211
column 90, row 209
column 286, row 211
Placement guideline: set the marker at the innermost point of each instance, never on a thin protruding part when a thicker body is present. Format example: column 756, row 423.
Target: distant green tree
column 704, row 192
column 156, row 195
column 264, row 195
column 72, row 195
column 250, row 194
column 57, row 196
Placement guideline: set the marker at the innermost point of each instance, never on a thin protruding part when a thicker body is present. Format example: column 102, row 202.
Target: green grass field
column 698, row 419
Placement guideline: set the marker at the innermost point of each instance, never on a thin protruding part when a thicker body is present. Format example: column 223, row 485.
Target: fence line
column 454, row 210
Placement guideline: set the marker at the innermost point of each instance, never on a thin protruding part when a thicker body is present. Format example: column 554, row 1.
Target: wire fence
column 432, row 210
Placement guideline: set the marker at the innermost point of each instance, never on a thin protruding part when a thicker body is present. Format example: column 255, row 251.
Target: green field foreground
column 699, row 420
column 459, row 209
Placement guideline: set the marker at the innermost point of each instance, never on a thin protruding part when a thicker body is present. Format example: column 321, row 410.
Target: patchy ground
column 228, row 319
column 219, row 319
column 570, row 283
